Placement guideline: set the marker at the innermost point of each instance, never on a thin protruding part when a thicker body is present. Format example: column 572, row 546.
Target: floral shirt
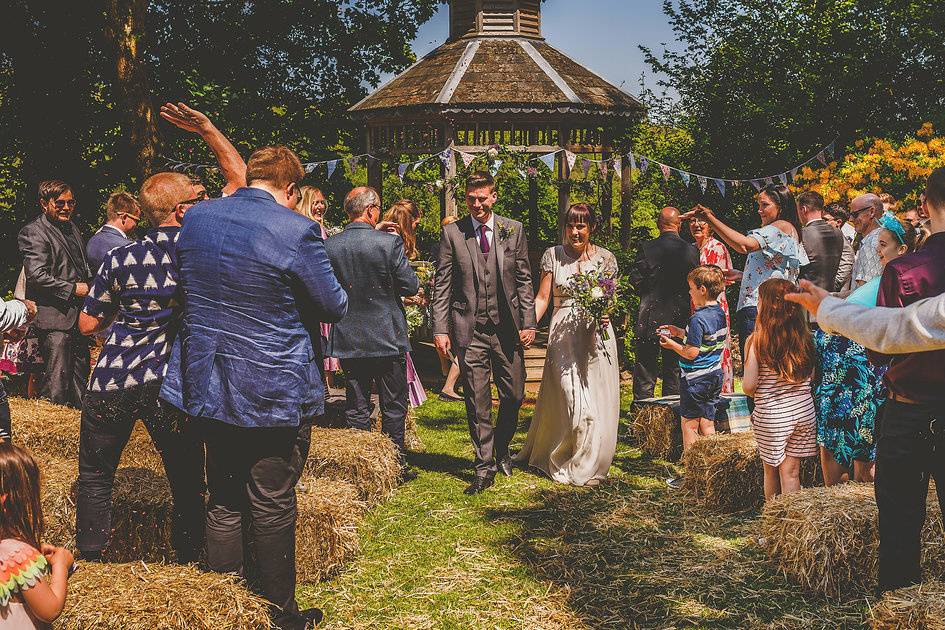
column 780, row 256
column 867, row 264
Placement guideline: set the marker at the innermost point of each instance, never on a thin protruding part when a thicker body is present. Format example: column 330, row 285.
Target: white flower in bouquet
column 493, row 153
column 597, row 293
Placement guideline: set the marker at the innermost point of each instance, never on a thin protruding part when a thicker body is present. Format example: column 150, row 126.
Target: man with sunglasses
column 865, row 211
column 57, row 279
column 123, row 215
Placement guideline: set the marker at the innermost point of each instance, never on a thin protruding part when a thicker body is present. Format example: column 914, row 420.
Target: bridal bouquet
column 595, row 295
column 417, row 310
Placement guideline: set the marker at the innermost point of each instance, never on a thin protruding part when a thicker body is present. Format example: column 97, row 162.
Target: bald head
column 668, row 220
column 360, row 200
column 865, row 211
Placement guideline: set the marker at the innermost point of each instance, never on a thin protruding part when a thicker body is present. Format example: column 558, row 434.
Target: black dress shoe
column 480, row 485
column 505, row 465
column 312, row 617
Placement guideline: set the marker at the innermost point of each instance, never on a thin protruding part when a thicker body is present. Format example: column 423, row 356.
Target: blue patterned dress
column 848, row 392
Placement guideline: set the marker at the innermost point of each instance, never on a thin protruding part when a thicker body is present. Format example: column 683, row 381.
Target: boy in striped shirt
column 703, row 341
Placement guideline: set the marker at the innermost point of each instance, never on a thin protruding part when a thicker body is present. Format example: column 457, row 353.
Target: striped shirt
column 707, row 330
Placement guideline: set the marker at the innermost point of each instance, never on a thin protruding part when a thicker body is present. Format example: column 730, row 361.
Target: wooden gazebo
column 495, row 82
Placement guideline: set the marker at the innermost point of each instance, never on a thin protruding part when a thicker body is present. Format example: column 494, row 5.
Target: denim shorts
column 700, row 397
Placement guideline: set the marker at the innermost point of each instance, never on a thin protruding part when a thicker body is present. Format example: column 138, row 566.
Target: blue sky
column 601, row 34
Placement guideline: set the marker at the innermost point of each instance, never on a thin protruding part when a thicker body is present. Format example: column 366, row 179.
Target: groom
column 484, row 308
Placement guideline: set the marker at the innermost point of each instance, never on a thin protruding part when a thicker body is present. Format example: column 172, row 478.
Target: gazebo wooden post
column 564, row 179
column 607, row 194
column 533, row 218
column 626, row 204
column 448, row 175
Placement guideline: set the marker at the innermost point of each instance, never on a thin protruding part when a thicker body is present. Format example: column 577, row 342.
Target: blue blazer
column 372, row 268
column 256, row 283
column 105, row 240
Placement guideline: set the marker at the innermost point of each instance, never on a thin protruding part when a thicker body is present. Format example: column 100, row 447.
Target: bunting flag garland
column 332, row 165
column 618, row 168
column 549, row 161
column 783, row 178
column 494, row 167
column 604, row 169
column 445, row 156
column 702, row 182
column 665, row 170
column 644, row 164
column 720, row 184
column 402, row 170
column 572, row 158
column 468, row 158
column 756, row 183
column 685, row 177
column 352, row 164
column 586, row 165
column 794, row 173
column 309, row 168
column 821, row 158
column 633, row 161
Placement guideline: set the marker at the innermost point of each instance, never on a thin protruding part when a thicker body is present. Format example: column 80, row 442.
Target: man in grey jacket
column 14, row 315
column 371, row 340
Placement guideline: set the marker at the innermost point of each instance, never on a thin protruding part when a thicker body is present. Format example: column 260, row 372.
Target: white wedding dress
column 573, row 435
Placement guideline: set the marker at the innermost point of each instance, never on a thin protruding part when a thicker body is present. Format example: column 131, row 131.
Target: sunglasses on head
column 202, row 197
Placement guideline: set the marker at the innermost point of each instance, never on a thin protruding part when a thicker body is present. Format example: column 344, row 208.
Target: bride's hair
column 581, row 213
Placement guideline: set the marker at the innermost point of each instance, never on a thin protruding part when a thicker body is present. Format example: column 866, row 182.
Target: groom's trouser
column 390, row 376
column 499, row 354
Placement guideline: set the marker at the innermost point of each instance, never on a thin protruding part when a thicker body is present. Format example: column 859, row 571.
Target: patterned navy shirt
column 137, row 283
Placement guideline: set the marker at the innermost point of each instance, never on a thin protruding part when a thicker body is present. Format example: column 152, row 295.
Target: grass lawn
column 532, row 554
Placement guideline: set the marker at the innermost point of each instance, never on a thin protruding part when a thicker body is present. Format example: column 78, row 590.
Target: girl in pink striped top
column 779, row 364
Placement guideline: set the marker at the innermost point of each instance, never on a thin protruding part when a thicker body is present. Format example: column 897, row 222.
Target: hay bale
column 827, row 539
column 137, row 596
column 50, row 430
column 369, row 461
column 326, row 529
column 411, row 440
column 655, row 426
column 920, row 606
column 725, row 473
column 141, row 512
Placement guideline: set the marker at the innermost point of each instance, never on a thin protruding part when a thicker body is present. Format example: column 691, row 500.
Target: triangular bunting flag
column 417, row 165
column 768, row 181
column 756, row 183
column 830, row 149
column 720, row 184
column 604, row 169
column 618, row 168
column 521, row 173
column 445, row 155
column 822, row 158
column 332, row 165
column 665, row 170
column 702, row 182
column 794, row 173
column 309, row 167
column 644, row 164
column 572, row 158
column 494, row 167
column 468, row 158
column 549, row 161
column 685, row 177
column 352, row 164
column 783, row 178
column 586, row 165
column 633, row 160
column 401, row 170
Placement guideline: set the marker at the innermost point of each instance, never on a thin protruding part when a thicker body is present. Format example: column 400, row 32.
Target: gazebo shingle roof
column 489, row 74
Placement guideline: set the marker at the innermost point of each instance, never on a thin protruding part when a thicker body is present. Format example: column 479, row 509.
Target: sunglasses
column 202, row 197
column 855, row 213
column 62, row 203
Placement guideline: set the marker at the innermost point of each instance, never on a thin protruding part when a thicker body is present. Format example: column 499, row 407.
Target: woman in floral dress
column 713, row 252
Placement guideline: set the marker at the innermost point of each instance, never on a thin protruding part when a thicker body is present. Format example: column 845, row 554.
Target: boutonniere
column 505, row 232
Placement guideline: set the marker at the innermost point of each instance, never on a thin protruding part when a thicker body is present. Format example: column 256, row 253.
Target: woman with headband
column 848, row 389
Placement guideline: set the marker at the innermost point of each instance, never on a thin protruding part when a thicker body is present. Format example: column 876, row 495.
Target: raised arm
column 229, row 159
column 736, row 240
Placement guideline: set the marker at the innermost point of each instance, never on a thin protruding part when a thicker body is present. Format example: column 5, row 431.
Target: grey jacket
column 371, row 267
column 918, row 327
column 824, row 246
column 459, row 270
column 52, row 271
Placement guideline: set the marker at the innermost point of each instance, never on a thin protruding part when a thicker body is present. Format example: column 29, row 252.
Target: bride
column 573, row 435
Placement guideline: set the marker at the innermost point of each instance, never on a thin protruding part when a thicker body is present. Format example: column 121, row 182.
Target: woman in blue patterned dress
column 848, row 389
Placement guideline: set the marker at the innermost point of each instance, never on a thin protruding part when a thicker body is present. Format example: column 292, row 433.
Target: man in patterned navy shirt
column 136, row 293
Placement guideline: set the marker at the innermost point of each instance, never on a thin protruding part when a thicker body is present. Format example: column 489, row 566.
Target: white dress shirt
column 490, row 229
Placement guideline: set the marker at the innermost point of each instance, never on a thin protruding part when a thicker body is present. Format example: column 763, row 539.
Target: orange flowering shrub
column 878, row 165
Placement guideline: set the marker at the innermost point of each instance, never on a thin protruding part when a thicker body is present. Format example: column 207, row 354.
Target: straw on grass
column 329, row 513
column 725, row 473
column 369, row 461
column 411, row 438
column 920, row 606
column 656, row 429
column 827, row 538
column 137, row 596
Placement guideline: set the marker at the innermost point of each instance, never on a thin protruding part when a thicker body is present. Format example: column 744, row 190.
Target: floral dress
column 780, row 256
column 713, row 252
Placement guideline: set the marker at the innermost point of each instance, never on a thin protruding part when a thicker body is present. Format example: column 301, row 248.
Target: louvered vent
column 470, row 18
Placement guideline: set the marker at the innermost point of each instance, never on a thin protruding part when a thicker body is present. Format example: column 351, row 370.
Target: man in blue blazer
column 246, row 364
column 371, row 341
column 123, row 214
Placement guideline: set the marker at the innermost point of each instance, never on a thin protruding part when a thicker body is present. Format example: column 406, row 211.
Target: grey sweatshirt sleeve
column 915, row 328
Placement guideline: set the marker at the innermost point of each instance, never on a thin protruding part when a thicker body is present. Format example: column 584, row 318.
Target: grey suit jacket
column 824, row 246
column 52, row 271
column 371, row 267
column 459, row 272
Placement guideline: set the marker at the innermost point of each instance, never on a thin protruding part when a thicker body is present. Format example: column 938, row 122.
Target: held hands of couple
column 527, row 338
column 808, row 296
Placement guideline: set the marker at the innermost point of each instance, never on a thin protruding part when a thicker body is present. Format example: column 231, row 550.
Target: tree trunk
column 125, row 32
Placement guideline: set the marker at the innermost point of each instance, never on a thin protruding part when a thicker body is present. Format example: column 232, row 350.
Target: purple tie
column 483, row 239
